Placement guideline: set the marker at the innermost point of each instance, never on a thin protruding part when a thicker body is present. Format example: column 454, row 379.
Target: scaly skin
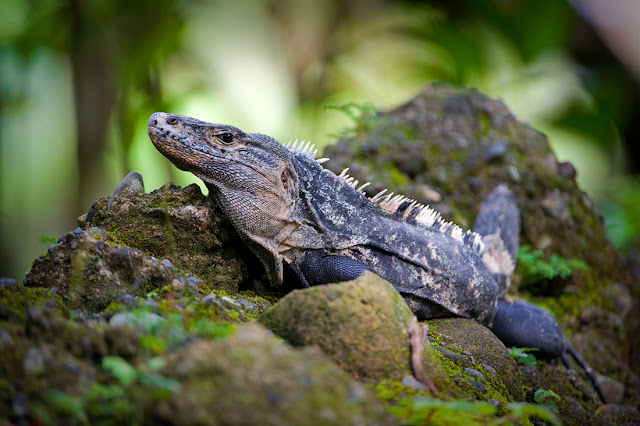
column 291, row 211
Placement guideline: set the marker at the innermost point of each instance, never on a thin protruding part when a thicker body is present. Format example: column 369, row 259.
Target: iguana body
column 291, row 211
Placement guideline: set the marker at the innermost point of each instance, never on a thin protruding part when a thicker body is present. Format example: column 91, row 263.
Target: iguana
column 295, row 214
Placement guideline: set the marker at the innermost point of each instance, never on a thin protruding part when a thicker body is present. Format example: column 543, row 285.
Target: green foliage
column 365, row 117
column 66, row 404
column 157, row 333
column 522, row 355
column 521, row 411
column 116, row 399
column 120, row 368
column 548, row 399
column 206, row 328
column 48, row 240
column 422, row 410
column 537, row 270
column 621, row 208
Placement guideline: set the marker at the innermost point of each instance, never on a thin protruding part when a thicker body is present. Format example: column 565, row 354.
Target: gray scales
column 291, row 212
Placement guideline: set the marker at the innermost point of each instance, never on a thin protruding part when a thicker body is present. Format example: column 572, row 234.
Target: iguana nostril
column 172, row 120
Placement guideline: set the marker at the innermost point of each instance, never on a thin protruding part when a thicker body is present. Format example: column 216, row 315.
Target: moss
column 275, row 383
column 362, row 325
column 398, row 178
column 15, row 301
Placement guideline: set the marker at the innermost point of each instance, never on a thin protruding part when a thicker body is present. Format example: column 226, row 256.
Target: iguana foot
column 319, row 267
column 569, row 349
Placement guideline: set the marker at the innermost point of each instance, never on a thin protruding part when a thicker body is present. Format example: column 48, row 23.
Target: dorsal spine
column 404, row 207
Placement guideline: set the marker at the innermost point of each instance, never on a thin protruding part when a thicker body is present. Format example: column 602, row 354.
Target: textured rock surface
column 254, row 378
column 89, row 272
column 361, row 325
column 483, row 350
column 179, row 225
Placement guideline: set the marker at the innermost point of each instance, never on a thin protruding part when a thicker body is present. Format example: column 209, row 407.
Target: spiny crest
column 352, row 182
column 305, row 149
column 407, row 208
column 410, row 208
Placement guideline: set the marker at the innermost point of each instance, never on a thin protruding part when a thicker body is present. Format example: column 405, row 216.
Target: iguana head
column 250, row 175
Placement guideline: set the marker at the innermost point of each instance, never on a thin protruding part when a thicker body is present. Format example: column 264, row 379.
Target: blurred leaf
column 68, row 404
column 120, row 368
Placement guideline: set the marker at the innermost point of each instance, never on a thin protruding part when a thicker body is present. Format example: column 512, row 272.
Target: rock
column 42, row 323
column 361, row 325
column 203, row 242
column 6, row 341
column 95, row 267
column 142, row 321
column 7, row 282
column 248, row 305
column 452, row 355
column 567, row 170
column 612, row 389
column 254, row 378
column 411, row 382
column 97, row 273
column 475, row 373
column 128, row 300
column 34, row 361
column 619, row 414
column 578, row 400
column 454, row 132
column 477, row 385
column 151, row 304
column 485, row 348
column 555, row 205
column 496, row 150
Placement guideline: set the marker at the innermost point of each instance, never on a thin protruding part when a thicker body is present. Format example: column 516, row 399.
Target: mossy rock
column 254, row 378
column 89, row 273
column 449, row 147
column 362, row 325
column 181, row 225
column 144, row 242
column 471, row 345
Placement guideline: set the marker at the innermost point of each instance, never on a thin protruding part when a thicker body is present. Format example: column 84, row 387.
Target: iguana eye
column 226, row 138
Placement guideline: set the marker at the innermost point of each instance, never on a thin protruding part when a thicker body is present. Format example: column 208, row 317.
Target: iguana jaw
column 250, row 175
column 188, row 143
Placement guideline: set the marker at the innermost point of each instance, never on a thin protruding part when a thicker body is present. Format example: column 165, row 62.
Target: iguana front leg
column 321, row 267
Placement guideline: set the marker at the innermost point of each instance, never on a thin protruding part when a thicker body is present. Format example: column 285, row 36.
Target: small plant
column 365, row 117
column 548, row 399
column 111, row 400
column 522, row 355
column 537, row 270
column 48, row 240
column 423, row 410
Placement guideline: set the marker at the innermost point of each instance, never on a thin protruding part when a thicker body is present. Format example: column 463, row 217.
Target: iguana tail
column 499, row 224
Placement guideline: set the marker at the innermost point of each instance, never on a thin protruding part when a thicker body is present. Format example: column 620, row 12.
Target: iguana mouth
column 173, row 147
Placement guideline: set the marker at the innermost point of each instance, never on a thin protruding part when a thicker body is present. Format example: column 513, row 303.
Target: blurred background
column 79, row 78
